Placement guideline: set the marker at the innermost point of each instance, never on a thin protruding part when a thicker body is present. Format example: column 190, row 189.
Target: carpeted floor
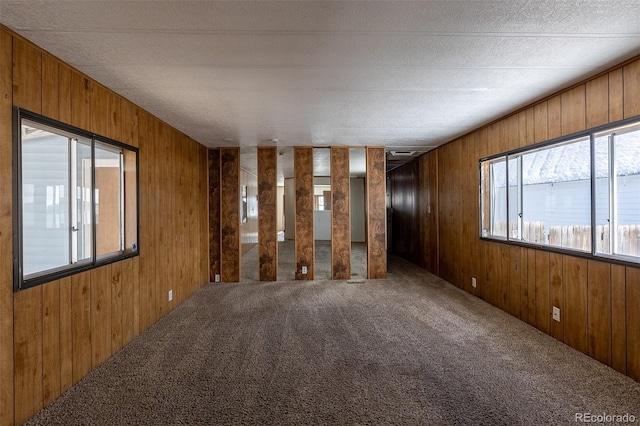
column 411, row 349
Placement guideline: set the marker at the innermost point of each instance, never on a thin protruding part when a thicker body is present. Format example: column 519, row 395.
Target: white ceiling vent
column 402, row 153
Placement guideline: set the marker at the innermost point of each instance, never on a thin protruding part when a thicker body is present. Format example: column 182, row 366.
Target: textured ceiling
column 409, row 75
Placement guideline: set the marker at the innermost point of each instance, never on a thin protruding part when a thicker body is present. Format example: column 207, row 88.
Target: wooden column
column 340, row 215
column 304, row 239
column 377, row 213
column 267, row 216
column 230, row 214
column 214, row 213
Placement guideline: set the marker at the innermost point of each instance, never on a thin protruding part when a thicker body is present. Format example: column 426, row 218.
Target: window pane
column 556, row 195
column 514, row 200
column 602, row 194
column 494, row 198
column 130, row 201
column 83, row 238
column 45, row 199
column 626, row 204
column 108, row 200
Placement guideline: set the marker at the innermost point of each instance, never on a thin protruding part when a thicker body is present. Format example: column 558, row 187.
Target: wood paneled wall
column 214, row 213
column 340, row 214
column 304, row 236
column 598, row 300
column 376, row 213
column 230, row 254
column 404, row 204
column 54, row 334
column 268, row 212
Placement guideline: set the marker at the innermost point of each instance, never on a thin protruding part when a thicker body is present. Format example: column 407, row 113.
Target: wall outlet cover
column 304, row 270
column 473, row 282
column 217, row 278
column 556, row 313
column 170, row 295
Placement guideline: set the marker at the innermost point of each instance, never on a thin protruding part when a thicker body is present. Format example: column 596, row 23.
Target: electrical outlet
column 556, row 313
column 170, row 295
column 217, row 278
column 304, row 270
column 473, row 282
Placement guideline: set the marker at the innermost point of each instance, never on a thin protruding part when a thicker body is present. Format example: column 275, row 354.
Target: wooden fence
column 576, row 237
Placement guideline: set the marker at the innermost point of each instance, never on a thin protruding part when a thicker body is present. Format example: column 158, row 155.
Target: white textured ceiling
column 404, row 74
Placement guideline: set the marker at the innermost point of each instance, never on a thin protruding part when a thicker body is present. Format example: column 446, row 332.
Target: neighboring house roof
column 571, row 162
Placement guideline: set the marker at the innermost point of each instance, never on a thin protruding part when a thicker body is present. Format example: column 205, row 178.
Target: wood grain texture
column 304, row 236
column 556, row 294
column 531, row 287
column 631, row 85
column 340, row 214
column 574, row 110
column 267, row 217
column 66, row 333
column 541, row 123
column 618, row 319
column 599, row 311
column 515, row 281
column 542, row 291
column 100, row 315
column 554, row 117
column 27, row 76
column 214, row 213
column 376, row 213
column 229, row 215
column 50, row 341
column 597, row 101
column 28, row 353
column 50, row 93
column 575, row 306
column 633, row 322
column 616, row 95
column 6, row 231
column 80, row 101
column 130, row 299
column 64, row 93
column 115, row 282
column 81, row 322
column 100, row 104
column 530, row 115
column 522, row 129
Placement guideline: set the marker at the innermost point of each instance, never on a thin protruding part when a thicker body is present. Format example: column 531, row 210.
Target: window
column 577, row 194
column 77, row 200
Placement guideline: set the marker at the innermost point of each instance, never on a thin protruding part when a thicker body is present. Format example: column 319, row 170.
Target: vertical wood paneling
column 6, row 231
column 116, row 307
column 51, row 342
column 633, row 322
column 542, row 291
column 340, row 214
column 575, row 306
column 80, row 101
column 130, row 299
column 376, row 213
column 64, row 93
column 522, row 129
column 556, row 294
column 554, row 117
column 541, row 123
column 214, row 213
column 616, row 95
column 515, row 281
column 618, row 319
column 530, row 115
column 631, row 85
column 229, row 214
column 147, row 256
column 573, row 110
column 597, row 101
column 137, row 296
column 81, row 321
column 304, row 237
column 50, row 93
column 66, row 333
column 599, row 311
column 100, row 104
column 28, row 353
column 27, row 76
column 267, row 217
column 531, row 286
column 100, row 315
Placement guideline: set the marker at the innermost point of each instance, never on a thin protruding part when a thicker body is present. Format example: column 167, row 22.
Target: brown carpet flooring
column 408, row 350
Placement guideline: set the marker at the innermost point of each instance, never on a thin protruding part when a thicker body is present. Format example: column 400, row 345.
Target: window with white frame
column 77, row 200
column 580, row 193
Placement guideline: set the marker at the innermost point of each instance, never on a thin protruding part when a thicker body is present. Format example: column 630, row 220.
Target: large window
column 77, row 200
column 580, row 194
